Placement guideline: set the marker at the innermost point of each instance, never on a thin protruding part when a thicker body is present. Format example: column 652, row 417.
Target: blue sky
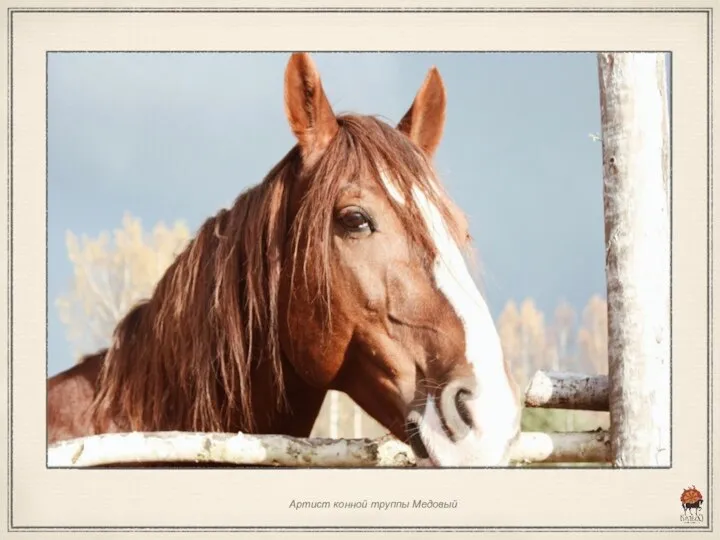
column 174, row 136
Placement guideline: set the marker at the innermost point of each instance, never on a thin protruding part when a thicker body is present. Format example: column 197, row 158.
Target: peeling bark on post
column 559, row 390
column 634, row 115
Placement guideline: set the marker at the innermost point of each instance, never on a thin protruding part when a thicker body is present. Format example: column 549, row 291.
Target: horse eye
column 355, row 221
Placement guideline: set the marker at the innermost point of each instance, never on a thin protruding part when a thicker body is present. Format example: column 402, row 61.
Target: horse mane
column 182, row 359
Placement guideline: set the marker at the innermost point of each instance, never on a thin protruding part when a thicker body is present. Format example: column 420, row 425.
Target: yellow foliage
column 110, row 277
column 530, row 345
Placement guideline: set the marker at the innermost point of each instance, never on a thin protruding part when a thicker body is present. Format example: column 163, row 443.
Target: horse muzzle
column 459, row 426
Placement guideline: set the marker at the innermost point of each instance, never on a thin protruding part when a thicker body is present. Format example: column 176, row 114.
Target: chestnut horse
column 344, row 269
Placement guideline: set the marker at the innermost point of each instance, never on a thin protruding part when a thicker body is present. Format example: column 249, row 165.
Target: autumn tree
column 560, row 336
column 533, row 337
column 523, row 337
column 530, row 345
column 509, row 330
column 592, row 337
column 111, row 272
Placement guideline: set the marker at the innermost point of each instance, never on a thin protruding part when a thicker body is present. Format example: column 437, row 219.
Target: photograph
column 381, row 247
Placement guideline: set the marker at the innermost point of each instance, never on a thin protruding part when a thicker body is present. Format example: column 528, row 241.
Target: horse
column 697, row 505
column 347, row 268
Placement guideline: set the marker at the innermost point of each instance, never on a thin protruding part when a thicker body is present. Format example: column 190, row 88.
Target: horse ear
column 425, row 120
column 308, row 111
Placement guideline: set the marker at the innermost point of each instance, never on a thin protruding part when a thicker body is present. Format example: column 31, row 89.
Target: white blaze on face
column 392, row 189
column 495, row 409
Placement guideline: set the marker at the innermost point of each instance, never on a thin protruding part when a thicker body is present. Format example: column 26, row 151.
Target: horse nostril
column 416, row 443
column 461, row 398
column 455, row 412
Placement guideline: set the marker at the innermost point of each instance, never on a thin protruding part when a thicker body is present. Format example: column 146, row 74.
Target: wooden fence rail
column 561, row 390
column 546, row 389
column 279, row 450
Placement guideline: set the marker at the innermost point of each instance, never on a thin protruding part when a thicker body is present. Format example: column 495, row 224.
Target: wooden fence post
column 635, row 146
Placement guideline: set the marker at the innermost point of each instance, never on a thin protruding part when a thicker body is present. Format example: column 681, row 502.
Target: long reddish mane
column 183, row 359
